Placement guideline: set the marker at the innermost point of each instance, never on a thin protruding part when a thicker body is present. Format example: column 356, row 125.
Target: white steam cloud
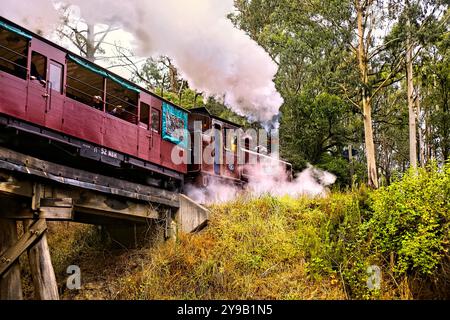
column 37, row 15
column 215, row 57
column 269, row 178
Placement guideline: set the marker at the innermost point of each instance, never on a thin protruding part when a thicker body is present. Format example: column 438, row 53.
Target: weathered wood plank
column 11, row 185
column 42, row 272
column 101, row 205
column 11, row 254
column 57, row 202
column 56, row 209
column 10, row 284
column 14, row 161
column 56, row 214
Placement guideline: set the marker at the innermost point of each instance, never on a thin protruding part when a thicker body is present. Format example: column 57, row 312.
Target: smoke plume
column 268, row 178
column 215, row 57
column 39, row 16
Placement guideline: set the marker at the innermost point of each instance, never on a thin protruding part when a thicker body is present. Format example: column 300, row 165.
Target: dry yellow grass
column 263, row 248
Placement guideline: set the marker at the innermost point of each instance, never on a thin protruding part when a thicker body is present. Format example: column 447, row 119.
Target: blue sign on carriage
column 174, row 125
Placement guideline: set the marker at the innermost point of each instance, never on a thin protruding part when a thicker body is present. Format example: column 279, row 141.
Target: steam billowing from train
column 270, row 178
column 214, row 56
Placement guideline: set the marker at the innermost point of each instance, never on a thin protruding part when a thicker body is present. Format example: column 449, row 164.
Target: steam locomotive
column 57, row 106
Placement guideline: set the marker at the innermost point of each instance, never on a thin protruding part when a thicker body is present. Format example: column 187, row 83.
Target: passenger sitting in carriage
column 97, row 102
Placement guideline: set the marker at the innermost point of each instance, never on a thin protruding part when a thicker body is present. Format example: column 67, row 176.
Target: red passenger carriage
column 60, row 107
column 49, row 92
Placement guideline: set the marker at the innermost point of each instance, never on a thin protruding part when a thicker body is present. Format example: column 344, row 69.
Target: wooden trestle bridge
column 33, row 191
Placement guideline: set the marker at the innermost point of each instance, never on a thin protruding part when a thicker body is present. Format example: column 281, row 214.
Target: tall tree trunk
column 420, row 116
column 173, row 74
column 411, row 111
column 429, row 131
column 352, row 168
column 90, row 43
column 446, row 124
column 370, row 145
column 366, row 99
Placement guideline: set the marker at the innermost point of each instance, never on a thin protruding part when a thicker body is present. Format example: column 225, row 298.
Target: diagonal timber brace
column 30, row 237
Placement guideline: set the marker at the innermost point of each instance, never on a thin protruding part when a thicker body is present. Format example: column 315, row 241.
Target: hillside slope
column 283, row 248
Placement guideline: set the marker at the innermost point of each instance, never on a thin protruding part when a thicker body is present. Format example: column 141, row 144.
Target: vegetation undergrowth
column 322, row 248
column 285, row 248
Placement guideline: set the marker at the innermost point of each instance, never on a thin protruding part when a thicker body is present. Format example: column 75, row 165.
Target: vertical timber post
column 170, row 227
column 10, row 282
column 44, row 279
column 43, row 274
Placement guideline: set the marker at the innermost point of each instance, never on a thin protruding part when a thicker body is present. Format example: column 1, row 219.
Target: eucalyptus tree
column 418, row 23
column 89, row 39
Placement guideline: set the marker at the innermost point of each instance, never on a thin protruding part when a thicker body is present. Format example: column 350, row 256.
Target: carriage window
column 121, row 102
column 234, row 144
column 13, row 53
column 38, row 67
column 56, row 75
column 230, row 139
column 156, row 120
column 247, row 148
column 84, row 85
column 144, row 117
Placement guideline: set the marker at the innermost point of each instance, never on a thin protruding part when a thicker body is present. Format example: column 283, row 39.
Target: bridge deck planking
column 68, row 194
column 17, row 162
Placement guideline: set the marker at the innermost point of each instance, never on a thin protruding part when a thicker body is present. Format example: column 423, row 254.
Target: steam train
column 57, row 106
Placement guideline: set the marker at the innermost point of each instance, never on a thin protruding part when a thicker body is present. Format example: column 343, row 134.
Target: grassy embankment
column 284, row 248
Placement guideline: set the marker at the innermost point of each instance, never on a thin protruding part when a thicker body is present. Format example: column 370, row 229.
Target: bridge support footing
column 191, row 216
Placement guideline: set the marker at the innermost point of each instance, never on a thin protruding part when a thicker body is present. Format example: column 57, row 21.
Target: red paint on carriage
column 43, row 100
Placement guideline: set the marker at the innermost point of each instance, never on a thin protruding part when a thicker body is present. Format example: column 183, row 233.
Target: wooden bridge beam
column 12, row 161
column 65, row 203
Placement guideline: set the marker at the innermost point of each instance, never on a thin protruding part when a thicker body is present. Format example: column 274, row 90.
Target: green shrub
column 403, row 228
column 410, row 221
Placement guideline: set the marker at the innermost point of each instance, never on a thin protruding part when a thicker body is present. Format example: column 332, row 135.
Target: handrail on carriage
column 79, row 91
column 82, row 82
column 106, row 103
column 265, row 156
column 14, row 63
column 101, row 90
column 13, row 51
